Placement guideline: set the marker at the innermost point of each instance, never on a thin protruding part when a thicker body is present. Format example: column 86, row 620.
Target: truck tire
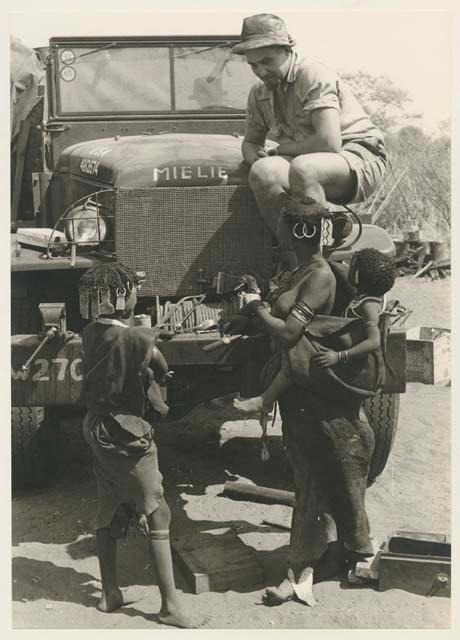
column 382, row 412
column 27, row 465
column 25, row 422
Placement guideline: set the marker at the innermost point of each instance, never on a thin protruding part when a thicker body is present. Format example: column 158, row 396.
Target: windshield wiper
column 194, row 53
column 106, row 46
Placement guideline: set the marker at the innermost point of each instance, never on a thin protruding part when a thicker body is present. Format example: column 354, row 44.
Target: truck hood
column 158, row 160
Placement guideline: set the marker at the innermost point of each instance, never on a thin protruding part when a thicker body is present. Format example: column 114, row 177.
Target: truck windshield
column 137, row 78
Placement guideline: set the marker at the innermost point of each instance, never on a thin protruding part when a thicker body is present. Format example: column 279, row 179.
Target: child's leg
column 264, row 402
column 280, row 383
column 107, row 554
column 112, row 597
column 172, row 612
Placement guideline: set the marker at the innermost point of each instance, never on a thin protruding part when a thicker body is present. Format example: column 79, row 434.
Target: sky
column 412, row 47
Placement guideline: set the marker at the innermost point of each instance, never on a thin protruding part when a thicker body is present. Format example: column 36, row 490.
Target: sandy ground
column 55, row 571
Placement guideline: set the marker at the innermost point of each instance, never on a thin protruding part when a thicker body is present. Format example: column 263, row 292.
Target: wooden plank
column 213, row 562
column 277, row 523
column 423, row 270
column 246, row 491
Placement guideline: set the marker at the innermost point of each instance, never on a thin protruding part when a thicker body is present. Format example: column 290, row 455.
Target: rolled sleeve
column 318, row 88
column 256, row 127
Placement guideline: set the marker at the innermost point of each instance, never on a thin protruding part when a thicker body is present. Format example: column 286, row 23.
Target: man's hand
column 325, row 358
column 253, row 157
column 252, row 152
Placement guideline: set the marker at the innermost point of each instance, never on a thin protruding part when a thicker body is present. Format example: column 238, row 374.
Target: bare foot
column 113, row 600
column 181, row 619
column 252, row 405
column 331, row 564
column 274, row 596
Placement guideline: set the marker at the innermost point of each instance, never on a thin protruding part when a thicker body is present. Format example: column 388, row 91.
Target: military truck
column 141, row 162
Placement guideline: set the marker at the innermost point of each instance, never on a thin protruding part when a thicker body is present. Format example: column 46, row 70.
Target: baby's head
column 372, row 272
column 108, row 290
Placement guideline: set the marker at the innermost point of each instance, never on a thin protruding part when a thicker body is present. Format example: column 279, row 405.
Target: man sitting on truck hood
column 328, row 149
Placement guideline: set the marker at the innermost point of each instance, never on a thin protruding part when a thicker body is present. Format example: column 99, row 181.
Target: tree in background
column 381, row 98
column 417, row 181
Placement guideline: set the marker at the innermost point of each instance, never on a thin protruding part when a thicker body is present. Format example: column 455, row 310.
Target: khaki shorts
column 367, row 167
column 129, row 482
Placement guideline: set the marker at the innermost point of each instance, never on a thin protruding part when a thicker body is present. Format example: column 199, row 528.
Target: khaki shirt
column 285, row 115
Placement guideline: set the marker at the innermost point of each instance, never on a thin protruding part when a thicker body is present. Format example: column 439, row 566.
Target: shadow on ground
column 193, row 457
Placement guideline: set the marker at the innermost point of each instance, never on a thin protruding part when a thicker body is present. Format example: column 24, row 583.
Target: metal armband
column 302, row 313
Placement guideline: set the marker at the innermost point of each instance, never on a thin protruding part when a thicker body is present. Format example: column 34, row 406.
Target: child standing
column 373, row 275
column 116, row 365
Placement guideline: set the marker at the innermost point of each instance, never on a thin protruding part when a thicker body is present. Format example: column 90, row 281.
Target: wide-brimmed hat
column 263, row 30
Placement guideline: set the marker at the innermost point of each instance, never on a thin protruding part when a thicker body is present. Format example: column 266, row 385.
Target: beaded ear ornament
column 95, row 302
column 327, row 239
column 106, row 307
column 121, row 302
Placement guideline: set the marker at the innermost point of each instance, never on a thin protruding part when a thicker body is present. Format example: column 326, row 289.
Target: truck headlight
column 84, row 226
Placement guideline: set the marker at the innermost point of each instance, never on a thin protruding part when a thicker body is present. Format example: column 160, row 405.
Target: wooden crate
column 416, row 562
column 217, row 562
column 428, row 355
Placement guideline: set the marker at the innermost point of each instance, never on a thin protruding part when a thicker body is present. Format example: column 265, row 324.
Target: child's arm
column 158, row 363
column 156, row 372
column 369, row 312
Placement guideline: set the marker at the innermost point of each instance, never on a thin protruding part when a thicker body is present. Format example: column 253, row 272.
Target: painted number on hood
column 89, row 166
column 57, row 368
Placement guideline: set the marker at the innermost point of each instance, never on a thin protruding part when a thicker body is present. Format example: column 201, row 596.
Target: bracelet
column 343, row 356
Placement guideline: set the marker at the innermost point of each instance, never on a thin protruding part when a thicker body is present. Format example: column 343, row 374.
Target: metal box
column 416, row 562
column 428, row 355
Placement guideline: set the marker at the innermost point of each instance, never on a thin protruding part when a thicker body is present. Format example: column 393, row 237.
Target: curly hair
column 112, row 276
column 375, row 271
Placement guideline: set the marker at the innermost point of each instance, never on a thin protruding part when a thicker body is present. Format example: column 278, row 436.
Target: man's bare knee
column 303, row 170
column 264, row 173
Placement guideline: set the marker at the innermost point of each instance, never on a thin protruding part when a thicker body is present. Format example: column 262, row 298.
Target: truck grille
column 173, row 232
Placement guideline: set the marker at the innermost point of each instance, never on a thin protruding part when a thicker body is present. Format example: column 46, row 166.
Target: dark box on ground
column 217, row 562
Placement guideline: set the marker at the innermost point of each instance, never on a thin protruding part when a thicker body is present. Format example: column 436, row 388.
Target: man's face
column 268, row 63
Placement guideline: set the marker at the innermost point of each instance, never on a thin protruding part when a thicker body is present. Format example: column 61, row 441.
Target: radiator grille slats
column 173, row 232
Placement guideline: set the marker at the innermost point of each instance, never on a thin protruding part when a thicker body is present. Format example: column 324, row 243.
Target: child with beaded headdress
column 116, row 363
